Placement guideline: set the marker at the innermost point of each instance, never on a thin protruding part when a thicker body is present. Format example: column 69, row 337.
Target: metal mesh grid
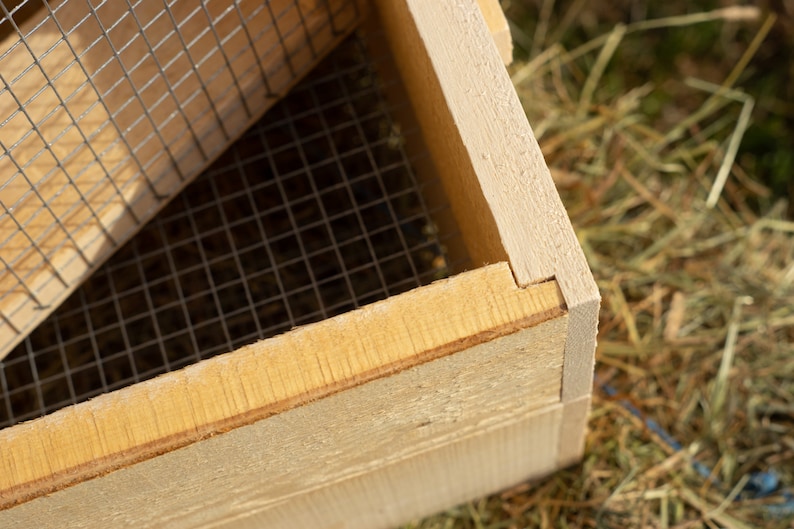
column 108, row 108
column 314, row 211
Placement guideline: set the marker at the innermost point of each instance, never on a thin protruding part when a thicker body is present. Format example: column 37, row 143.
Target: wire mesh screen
column 108, row 108
column 316, row 210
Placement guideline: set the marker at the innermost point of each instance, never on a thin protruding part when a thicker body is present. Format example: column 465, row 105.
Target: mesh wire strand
column 147, row 154
column 315, row 211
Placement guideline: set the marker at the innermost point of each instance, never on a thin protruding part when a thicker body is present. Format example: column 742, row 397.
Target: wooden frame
column 374, row 417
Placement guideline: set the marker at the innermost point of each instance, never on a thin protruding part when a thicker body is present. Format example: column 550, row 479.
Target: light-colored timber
column 406, row 375
column 117, row 120
column 407, row 485
column 498, row 184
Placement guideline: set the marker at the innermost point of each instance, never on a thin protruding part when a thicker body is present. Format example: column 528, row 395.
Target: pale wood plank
column 271, row 376
column 466, row 469
column 499, row 186
column 174, row 110
column 381, row 495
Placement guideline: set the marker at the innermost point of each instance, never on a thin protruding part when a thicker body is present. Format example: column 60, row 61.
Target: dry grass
column 695, row 262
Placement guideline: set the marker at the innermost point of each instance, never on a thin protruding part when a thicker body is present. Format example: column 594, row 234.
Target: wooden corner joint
column 471, row 310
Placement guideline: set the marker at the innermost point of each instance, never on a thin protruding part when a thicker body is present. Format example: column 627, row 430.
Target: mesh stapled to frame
column 108, row 108
column 315, row 211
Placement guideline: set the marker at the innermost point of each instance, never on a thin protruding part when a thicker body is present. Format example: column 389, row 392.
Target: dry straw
column 695, row 262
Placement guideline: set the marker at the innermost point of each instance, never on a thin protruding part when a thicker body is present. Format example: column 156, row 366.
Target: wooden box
column 371, row 418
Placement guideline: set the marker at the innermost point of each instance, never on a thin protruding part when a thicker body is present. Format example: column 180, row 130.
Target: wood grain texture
column 267, row 378
column 493, row 171
column 383, row 494
column 573, row 429
column 121, row 115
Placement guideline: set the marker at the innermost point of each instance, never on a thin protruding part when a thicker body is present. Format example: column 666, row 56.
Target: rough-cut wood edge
column 56, row 293
column 267, row 378
column 498, row 184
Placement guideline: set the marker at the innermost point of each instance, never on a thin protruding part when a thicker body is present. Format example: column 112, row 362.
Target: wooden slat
column 463, row 313
column 498, row 184
column 469, row 467
column 160, row 115
column 391, row 490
